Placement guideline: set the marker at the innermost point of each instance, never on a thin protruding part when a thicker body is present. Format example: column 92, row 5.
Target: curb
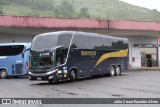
column 144, row 69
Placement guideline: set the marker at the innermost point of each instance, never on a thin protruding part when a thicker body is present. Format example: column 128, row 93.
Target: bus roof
column 100, row 35
column 83, row 33
column 57, row 32
column 8, row 44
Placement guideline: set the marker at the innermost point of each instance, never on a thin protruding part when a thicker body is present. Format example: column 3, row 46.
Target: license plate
column 38, row 78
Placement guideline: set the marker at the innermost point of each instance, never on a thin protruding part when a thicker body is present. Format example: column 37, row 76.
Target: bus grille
column 18, row 68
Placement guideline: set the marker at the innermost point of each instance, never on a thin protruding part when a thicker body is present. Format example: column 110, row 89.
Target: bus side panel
column 12, row 64
column 5, row 65
column 87, row 65
column 25, row 62
column 126, row 63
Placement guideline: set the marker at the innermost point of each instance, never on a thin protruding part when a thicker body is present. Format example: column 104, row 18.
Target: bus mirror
column 52, row 53
column 25, row 51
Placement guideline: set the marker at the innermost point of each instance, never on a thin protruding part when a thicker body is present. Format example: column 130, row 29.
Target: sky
column 151, row 4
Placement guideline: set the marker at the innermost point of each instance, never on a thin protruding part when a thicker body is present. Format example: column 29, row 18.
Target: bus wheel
column 112, row 71
column 3, row 74
column 73, row 75
column 118, row 71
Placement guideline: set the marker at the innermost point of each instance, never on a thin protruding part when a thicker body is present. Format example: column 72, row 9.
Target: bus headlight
column 29, row 72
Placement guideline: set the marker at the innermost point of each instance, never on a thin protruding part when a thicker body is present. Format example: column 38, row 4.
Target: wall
column 159, row 56
column 8, row 38
column 135, row 51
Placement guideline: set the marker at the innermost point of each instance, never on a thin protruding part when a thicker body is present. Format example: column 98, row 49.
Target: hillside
column 99, row 9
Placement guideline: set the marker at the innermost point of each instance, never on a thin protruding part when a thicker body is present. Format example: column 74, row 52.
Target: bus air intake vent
column 18, row 68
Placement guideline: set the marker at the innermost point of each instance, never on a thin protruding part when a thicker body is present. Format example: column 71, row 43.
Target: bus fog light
column 51, row 77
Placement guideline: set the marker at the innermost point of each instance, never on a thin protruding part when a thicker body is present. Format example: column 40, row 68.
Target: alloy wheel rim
column 112, row 71
column 3, row 74
column 118, row 71
column 74, row 76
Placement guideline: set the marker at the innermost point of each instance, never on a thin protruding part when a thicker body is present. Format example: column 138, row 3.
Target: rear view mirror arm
column 25, row 51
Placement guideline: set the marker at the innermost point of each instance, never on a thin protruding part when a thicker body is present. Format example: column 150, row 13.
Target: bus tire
column 118, row 71
column 3, row 74
column 73, row 75
column 112, row 71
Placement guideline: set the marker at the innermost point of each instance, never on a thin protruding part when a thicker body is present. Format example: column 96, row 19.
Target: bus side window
column 64, row 54
column 61, row 55
column 58, row 61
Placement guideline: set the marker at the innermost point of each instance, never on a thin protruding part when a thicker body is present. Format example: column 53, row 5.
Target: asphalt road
column 137, row 84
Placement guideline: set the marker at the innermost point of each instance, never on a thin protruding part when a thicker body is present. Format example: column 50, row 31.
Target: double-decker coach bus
column 11, row 61
column 70, row 55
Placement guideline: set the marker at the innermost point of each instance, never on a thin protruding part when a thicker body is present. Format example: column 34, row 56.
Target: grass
column 99, row 9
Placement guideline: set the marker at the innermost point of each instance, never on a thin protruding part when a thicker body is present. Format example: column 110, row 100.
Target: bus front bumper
column 50, row 76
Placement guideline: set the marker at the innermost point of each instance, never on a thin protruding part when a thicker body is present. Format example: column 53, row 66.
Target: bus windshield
column 42, row 60
column 11, row 50
column 43, row 42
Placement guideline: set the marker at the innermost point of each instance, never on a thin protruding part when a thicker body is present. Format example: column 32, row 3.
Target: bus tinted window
column 43, row 42
column 90, row 42
column 64, row 40
column 95, row 42
column 61, row 54
column 119, row 44
column 11, row 50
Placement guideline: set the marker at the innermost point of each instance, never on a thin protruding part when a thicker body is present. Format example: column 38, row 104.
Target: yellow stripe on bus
column 121, row 53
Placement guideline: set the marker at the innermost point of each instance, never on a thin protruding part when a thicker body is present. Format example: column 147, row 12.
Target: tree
column 34, row 14
column 1, row 11
column 155, row 10
column 65, row 9
column 42, row 5
column 84, row 13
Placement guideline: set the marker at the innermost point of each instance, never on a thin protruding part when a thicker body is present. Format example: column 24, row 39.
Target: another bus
column 71, row 55
column 11, row 61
